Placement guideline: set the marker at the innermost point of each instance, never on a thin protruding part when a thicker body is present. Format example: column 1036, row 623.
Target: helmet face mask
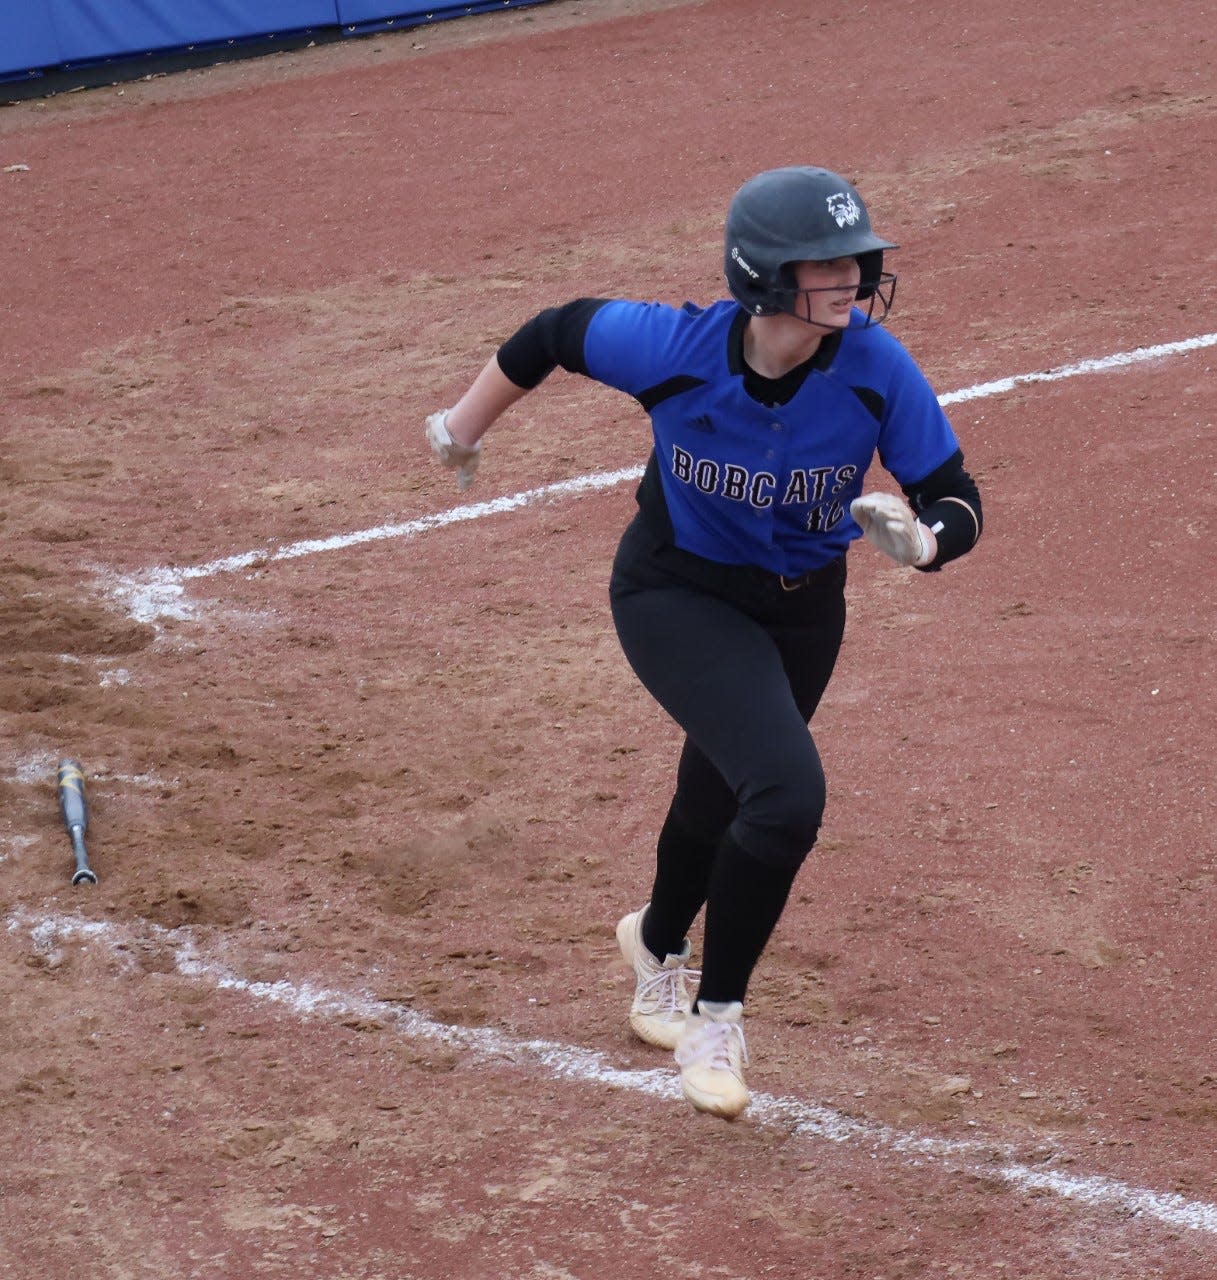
column 799, row 214
column 875, row 294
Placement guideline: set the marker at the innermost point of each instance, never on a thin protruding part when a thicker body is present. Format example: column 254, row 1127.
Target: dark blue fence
column 42, row 36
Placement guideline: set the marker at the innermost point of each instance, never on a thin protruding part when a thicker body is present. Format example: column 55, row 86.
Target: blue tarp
column 41, row 35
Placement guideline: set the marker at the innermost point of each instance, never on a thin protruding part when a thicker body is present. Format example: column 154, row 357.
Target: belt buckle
column 792, row 585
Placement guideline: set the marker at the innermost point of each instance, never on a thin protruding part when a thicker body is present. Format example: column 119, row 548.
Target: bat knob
column 84, row 876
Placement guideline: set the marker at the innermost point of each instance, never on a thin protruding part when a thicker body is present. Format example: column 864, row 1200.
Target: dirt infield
column 371, row 782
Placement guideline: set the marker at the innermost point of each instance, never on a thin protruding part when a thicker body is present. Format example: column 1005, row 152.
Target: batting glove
column 461, row 458
column 891, row 526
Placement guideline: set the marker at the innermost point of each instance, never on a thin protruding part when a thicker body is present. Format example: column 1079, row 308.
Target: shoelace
column 710, row 1046
column 667, row 990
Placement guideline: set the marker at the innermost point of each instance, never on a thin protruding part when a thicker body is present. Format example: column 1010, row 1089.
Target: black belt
column 649, row 544
column 825, row 574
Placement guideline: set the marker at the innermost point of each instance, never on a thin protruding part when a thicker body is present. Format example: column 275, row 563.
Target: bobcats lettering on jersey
column 814, row 487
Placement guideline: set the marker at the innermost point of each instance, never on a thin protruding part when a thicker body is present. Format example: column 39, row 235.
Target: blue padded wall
column 27, row 36
column 109, row 28
column 38, row 36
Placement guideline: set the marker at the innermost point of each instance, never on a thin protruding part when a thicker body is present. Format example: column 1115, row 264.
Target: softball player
column 727, row 589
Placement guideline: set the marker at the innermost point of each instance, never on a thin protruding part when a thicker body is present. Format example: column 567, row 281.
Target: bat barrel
column 72, row 795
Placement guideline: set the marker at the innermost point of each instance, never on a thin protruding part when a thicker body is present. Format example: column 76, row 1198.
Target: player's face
column 829, row 291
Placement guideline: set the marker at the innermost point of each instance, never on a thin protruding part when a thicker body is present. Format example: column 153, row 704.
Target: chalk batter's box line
column 160, row 592
column 491, row 1047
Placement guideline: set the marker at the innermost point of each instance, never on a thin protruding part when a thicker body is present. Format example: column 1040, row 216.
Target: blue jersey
column 746, row 483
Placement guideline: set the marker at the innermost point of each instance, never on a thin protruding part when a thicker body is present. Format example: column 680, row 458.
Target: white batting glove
column 461, row 458
column 889, row 523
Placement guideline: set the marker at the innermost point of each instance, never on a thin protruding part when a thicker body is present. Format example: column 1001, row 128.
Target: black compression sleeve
column 552, row 338
column 947, row 501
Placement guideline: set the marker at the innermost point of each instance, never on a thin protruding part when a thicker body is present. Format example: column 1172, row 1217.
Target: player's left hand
column 461, row 458
column 890, row 525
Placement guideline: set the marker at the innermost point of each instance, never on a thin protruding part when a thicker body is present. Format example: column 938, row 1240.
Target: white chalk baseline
column 47, row 934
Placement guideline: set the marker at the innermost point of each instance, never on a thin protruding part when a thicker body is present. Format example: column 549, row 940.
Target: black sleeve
column 552, row 338
column 948, row 502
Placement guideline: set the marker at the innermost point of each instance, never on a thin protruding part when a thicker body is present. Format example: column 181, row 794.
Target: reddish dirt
column 417, row 771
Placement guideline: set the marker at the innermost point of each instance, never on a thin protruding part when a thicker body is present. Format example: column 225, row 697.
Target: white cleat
column 662, row 992
column 711, row 1056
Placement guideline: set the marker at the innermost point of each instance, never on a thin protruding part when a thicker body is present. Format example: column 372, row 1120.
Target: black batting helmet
column 799, row 214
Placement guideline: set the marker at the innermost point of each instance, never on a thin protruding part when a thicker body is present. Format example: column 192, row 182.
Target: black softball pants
column 740, row 662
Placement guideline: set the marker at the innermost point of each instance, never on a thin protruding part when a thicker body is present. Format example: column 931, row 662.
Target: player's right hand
column 461, row 458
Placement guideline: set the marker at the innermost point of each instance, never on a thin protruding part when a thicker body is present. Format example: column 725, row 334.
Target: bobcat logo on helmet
column 845, row 213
